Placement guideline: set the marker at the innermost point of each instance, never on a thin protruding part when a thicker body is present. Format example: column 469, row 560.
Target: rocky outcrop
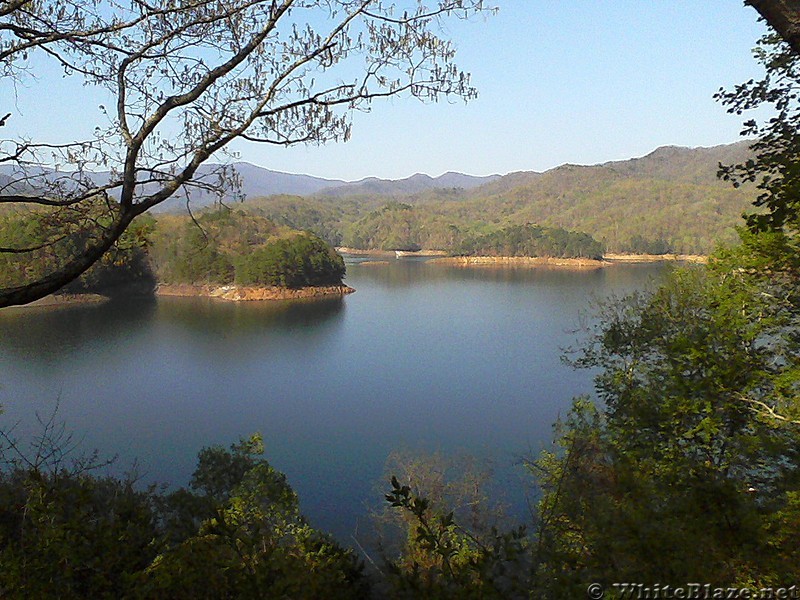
column 238, row 293
column 519, row 261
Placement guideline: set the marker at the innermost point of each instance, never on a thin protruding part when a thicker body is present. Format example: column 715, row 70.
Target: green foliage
column 775, row 167
column 226, row 246
column 457, row 564
column 326, row 220
column 252, row 541
column 71, row 535
column 613, row 207
column 396, row 226
column 698, row 382
column 533, row 240
column 399, row 226
column 65, row 531
column 297, row 261
column 237, row 532
column 640, row 245
column 198, row 259
column 49, row 240
column 442, row 533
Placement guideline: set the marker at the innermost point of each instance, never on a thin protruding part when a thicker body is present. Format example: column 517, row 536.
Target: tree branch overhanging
column 783, row 16
column 190, row 78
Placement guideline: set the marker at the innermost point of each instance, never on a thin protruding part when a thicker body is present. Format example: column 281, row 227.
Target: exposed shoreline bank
column 440, row 257
column 387, row 253
column 238, row 293
column 66, row 300
column 648, row 258
column 519, row 261
column 230, row 293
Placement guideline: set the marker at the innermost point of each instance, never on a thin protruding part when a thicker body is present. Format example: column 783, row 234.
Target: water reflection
column 54, row 332
column 420, row 356
column 406, row 272
column 215, row 317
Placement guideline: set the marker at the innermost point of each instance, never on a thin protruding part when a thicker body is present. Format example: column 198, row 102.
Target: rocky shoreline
column 67, row 300
column 238, row 293
column 440, row 257
column 649, row 258
column 388, row 253
column 519, row 261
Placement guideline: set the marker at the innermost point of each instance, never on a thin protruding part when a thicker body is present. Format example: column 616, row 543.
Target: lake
column 421, row 357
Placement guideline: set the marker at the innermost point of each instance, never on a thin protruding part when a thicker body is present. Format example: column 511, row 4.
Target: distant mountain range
column 691, row 165
column 688, row 165
column 416, row 184
column 259, row 182
column 671, row 197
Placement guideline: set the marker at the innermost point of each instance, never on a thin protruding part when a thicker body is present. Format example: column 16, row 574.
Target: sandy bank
column 239, row 293
column 647, row 258
column 519, row 261
column 371, row 263
column 386, row 253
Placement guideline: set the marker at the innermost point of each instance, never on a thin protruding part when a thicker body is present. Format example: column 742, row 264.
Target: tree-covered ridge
column 396, row 226
column 400, row 226
column 224, row 246
column 533, row 240
column 219, row 247
column 668, row 201
column 35, row 246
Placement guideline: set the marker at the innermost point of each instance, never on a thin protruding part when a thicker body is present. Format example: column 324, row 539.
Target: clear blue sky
column 581, row 81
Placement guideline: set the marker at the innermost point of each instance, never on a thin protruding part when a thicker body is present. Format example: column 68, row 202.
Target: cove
column 422, row 356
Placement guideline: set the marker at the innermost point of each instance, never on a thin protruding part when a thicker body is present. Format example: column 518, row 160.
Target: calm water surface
column 421, row 356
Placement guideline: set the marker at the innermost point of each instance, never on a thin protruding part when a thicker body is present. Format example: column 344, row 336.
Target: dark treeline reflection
column 406, row 272
column 51, row 332
column 214, row 317
column 45, row 333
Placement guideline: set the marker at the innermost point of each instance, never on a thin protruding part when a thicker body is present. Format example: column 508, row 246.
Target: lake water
column 421, row 356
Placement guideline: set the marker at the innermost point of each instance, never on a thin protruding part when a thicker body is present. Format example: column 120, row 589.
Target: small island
column 525, row 245
column 223, row 254
column 232, row 255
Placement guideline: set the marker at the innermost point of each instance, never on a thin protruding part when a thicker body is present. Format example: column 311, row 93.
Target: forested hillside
column 220, row 246
column 35, row 245
column 668, row 201
column 225, row 246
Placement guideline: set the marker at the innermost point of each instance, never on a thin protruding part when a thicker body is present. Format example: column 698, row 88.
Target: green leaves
column 297, row 261
column 240, row 534
column 227, row 246
column 533, row 240
column 693, row 440
column 451, row 546
column 775, row 170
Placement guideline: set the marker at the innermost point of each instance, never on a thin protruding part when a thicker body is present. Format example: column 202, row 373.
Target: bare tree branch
column 187, row 79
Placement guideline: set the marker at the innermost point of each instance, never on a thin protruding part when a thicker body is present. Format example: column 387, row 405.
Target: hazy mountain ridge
column 694, row 165
column 416, row 184
column 671, row 196
column 256, row 179
column 258, row 182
